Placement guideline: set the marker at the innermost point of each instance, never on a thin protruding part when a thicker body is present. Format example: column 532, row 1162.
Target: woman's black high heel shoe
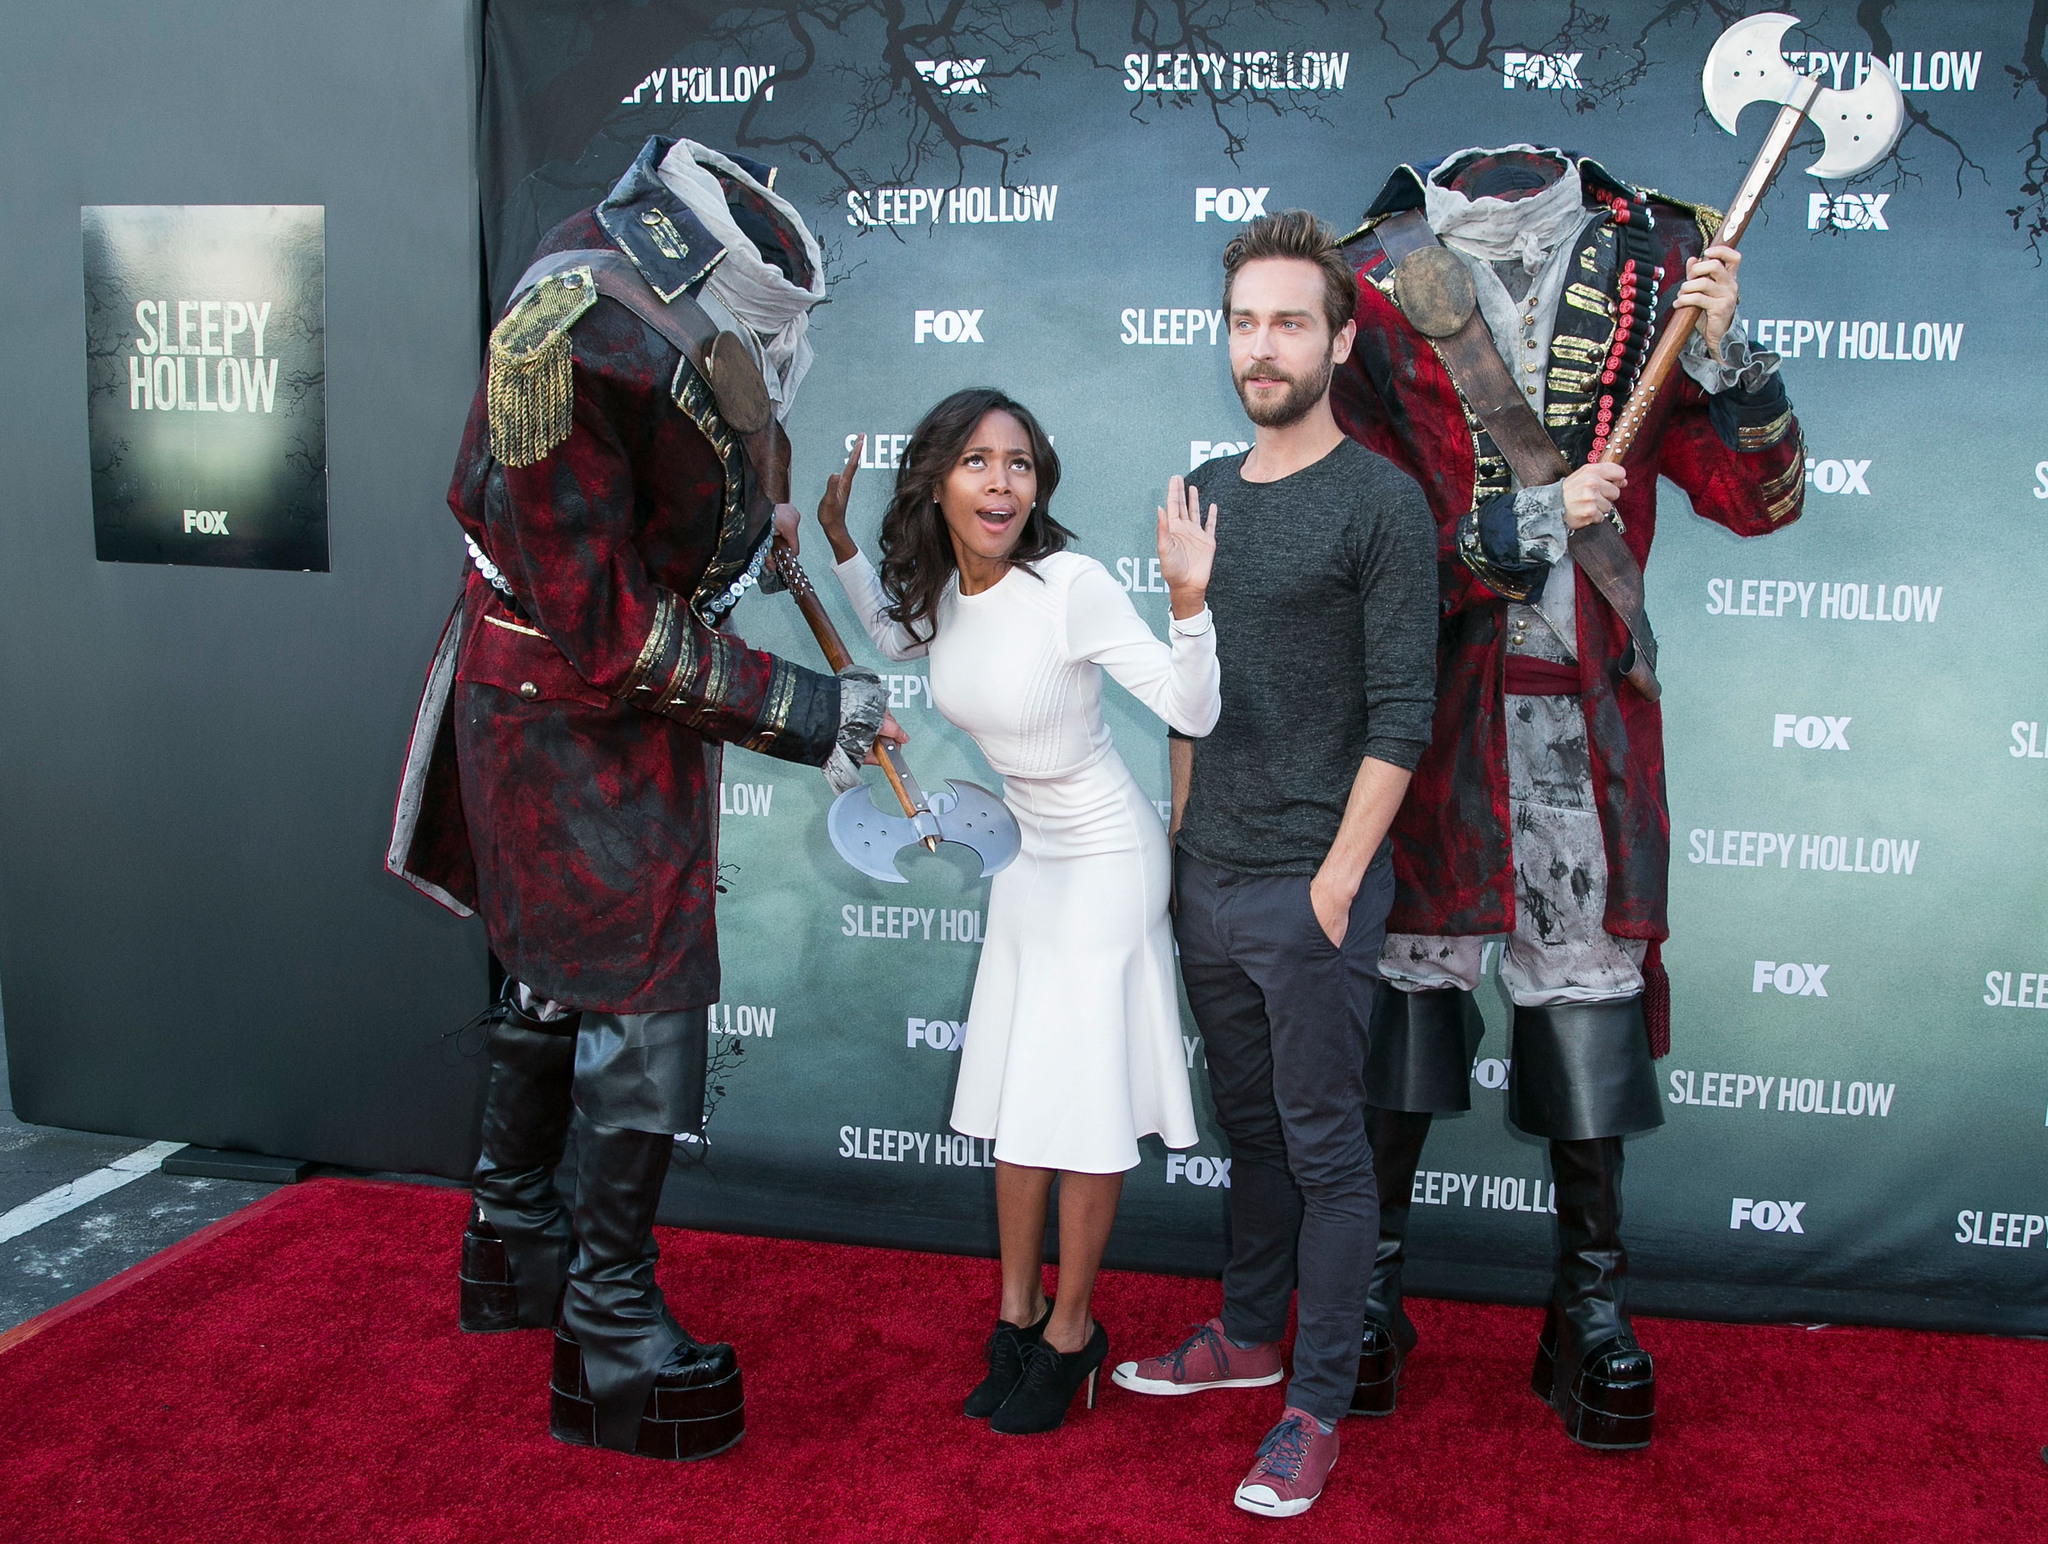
column 1006, row 1347
column 1040, row 1400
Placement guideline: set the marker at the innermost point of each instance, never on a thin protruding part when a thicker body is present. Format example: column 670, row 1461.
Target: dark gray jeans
column 1283, row 1018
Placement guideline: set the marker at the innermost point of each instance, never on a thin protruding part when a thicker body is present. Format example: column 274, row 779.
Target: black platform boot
column 1588, row 1366
column 1397, row 1137
column 626, row 1376
column 515, row 1249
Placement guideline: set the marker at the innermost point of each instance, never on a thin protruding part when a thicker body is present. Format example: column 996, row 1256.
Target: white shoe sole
column 1126, row 1377
column 1261, row 1502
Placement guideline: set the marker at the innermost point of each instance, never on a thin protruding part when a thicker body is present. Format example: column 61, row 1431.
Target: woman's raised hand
column 1187, row 548
column 832, row 507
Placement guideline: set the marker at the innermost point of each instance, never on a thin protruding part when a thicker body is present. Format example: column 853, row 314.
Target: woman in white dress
column 1072, row 1050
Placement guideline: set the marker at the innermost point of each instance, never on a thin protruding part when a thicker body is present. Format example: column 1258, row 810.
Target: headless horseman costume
column 566, row 750
column 1539, row 809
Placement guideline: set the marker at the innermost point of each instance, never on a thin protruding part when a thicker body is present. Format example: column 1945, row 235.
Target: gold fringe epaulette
column 531, row 392
column 1364, row 228
column 1705, row 216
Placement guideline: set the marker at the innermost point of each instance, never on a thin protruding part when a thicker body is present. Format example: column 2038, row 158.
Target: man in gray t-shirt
column 1324, row 595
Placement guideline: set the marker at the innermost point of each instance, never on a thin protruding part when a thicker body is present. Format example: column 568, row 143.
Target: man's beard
column 1303, row 393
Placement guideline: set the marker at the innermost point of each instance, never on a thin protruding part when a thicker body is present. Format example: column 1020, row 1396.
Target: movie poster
column 206, row 383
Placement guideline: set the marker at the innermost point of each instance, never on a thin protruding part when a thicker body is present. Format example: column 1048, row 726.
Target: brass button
column 1530, row 367
column 650, row 217
column 1532, row 343
column 528, row 690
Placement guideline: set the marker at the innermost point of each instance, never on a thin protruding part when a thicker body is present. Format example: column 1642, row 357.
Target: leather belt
column 1466, row 346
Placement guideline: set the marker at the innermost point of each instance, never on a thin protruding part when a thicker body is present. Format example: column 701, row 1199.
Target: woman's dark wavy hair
column 917, row 554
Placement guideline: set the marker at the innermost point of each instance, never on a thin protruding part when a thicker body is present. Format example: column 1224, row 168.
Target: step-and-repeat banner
column 1036, row 198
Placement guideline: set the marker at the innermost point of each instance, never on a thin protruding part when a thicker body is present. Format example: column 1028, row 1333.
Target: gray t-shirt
column 1324, row 594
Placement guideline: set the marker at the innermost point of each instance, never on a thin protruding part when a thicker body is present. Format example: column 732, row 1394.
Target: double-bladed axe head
column 870, row 837
column 1860, row 126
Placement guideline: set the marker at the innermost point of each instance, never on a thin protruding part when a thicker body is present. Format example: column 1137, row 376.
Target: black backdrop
column 196, row 765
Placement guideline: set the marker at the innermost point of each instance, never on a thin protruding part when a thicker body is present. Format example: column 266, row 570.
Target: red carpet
column 295, row 1374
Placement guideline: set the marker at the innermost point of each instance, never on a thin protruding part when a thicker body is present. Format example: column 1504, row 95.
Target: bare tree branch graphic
column 2030, row 215
column 1870, row 16
column 1196, row 27
column 897, row 124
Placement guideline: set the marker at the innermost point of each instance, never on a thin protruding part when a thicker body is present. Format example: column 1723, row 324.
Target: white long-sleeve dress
column 1073, row 1048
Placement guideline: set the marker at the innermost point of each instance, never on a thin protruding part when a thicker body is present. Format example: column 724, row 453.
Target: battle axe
column 869, row 837
column 1859, row 127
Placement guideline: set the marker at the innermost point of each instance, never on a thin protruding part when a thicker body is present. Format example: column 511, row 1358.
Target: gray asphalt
column 68, row 1254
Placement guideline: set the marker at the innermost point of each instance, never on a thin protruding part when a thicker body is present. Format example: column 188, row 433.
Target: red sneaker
column 1205, row 1360
column 1294, row 1460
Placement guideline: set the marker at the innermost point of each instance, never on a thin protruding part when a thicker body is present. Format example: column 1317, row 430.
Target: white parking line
column 87, row 1187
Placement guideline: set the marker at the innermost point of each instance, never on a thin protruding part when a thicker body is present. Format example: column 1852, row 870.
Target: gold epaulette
column 1385, row 282
column 1705, row 216
column 530, row 396
column 1364, row 228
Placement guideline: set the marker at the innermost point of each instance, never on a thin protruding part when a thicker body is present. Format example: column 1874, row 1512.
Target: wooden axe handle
column 1763, row 171
column 806, row 595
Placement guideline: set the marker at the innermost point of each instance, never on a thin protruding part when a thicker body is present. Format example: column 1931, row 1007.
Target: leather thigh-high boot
column 626, row 1376
column 1588, row 1365
column 1418, row 1060
column 1397, row 1137
column 1581, row 1077
column 515, row 1248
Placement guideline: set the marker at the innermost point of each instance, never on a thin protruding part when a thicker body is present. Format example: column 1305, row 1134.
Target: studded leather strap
column 1483, row 380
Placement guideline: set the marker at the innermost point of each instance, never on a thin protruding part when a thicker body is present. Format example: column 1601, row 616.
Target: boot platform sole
column 490, row 1302
column 1610, row 1417
column 488, row 1307
column 1379, row 1381
column 1605, row 1417
column 679, row 1425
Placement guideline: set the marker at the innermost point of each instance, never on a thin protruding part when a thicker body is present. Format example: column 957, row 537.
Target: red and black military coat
column 563, row 774
column 1740, row 460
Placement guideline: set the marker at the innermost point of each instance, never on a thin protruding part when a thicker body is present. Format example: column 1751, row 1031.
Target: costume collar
column 1403, row 190
column 655, row 229
column 1495, row 229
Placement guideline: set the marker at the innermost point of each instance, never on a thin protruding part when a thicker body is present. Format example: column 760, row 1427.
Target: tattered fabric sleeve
column 562, row 530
